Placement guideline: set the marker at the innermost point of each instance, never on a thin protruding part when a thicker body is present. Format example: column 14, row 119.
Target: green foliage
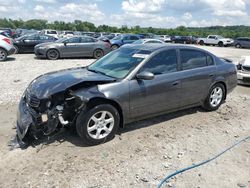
column 78, row 25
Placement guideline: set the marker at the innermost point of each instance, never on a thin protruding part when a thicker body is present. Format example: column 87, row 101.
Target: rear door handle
column 175, row 83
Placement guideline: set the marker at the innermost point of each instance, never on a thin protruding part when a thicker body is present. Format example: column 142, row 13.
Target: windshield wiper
column 99, row 72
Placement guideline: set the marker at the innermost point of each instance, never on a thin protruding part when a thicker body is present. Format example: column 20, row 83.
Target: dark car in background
column 242, row 42
column 132, row 83
column 78, row 46
column 27, row 43
column 184, row 39
column 122, row 39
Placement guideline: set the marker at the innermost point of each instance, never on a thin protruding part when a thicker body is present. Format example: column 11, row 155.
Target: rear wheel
column 220, row 44
column 98, row 124
column 53, row 54
column 98, row 53
column 237, row 46
column 215, row 97
column 3, row 54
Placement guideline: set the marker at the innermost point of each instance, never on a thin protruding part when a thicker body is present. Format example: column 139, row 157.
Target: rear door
column 71, row 47
column 29, row 43
column 160, row 94
column 198, row 73
column 87, row 46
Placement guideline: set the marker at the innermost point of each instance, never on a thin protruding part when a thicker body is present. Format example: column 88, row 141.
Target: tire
column 90, row 124
column 114, row 47
column 215, row 98
column 3, row 54
column 98, row 53
column 237, row 46
column 201, row 42
column 220, row 44
column 53, row 54
column 16, row 49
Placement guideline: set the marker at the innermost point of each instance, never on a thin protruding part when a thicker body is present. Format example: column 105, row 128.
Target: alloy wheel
column 3, row 55
column 216, row 96
column 100, row 125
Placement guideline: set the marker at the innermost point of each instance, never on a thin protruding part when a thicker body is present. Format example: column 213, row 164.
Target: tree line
column 78, row 25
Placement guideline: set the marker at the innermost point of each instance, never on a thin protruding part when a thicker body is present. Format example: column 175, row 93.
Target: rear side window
column 87, row 40
column 74, row 40
column 133, row 38
column 161, row 63
column 191, row 59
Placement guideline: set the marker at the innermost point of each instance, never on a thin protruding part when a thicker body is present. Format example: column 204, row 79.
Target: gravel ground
column 141, row 154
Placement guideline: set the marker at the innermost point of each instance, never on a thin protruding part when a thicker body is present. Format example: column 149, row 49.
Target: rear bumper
column 11, row 51
column 243, row 78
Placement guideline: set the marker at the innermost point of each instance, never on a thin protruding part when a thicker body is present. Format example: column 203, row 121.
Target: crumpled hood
column 55, row 82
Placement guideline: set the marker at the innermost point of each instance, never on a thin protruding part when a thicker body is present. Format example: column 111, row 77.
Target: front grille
column 32, row 100
column 246, row 68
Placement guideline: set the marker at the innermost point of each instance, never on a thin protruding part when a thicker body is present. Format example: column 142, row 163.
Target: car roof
column 158, row 46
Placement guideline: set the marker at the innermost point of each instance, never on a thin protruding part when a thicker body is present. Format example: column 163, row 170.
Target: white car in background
column 216, row 40
column 6, row 47
column 165, row 38
column 50, row 32
column 149, row 41
column 243, row 73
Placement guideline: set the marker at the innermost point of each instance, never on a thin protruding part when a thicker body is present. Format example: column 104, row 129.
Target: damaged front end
column 41, row 117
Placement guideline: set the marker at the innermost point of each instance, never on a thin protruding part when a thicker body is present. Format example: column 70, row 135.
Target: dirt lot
column 141, row 154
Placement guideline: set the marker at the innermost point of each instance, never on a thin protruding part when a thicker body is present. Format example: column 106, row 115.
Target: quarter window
column 161, row 63
column 210, row 60
column 191, row 59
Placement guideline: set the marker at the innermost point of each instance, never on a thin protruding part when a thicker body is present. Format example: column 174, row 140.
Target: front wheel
column 3, row 54
column 98, row 124
column 53, row 54
column 220, row 44
column 237, row 46
column 215, row 97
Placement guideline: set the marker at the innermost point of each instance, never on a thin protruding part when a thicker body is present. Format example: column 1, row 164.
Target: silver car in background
column 77, row 46
column 243, row 73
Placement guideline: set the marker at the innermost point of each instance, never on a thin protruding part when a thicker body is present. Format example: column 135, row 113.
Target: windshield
column 220, row 37
column 61, row 40
column 117, row 37
column 118, row 64
column 138, row 42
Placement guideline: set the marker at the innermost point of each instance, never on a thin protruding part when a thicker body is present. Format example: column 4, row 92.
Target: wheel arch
column 53, row 49
column 223, row 83
column 99, row 100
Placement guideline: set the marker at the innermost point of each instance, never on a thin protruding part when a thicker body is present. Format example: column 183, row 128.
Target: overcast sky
column 155, row 13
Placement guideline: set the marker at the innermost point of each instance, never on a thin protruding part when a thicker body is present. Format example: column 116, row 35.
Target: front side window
column 161, row 63
column 32, row 37
column 191, row 59
column 210, row 60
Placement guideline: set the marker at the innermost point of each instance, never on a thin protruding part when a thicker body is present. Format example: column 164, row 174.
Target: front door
column 160, row 94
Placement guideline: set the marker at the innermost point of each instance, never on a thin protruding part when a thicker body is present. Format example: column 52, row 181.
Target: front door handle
column 211, row 75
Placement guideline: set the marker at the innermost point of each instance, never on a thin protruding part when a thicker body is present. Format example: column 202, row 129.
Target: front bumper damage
column 33, row 124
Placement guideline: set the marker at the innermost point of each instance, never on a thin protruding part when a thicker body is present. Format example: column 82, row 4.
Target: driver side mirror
column 145, row 75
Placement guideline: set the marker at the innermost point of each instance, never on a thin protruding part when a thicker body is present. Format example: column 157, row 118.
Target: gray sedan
column 131, row 83
column 79, row 46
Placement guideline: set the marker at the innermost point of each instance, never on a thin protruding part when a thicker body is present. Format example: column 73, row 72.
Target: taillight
column 7, row 40
column 107, row 45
